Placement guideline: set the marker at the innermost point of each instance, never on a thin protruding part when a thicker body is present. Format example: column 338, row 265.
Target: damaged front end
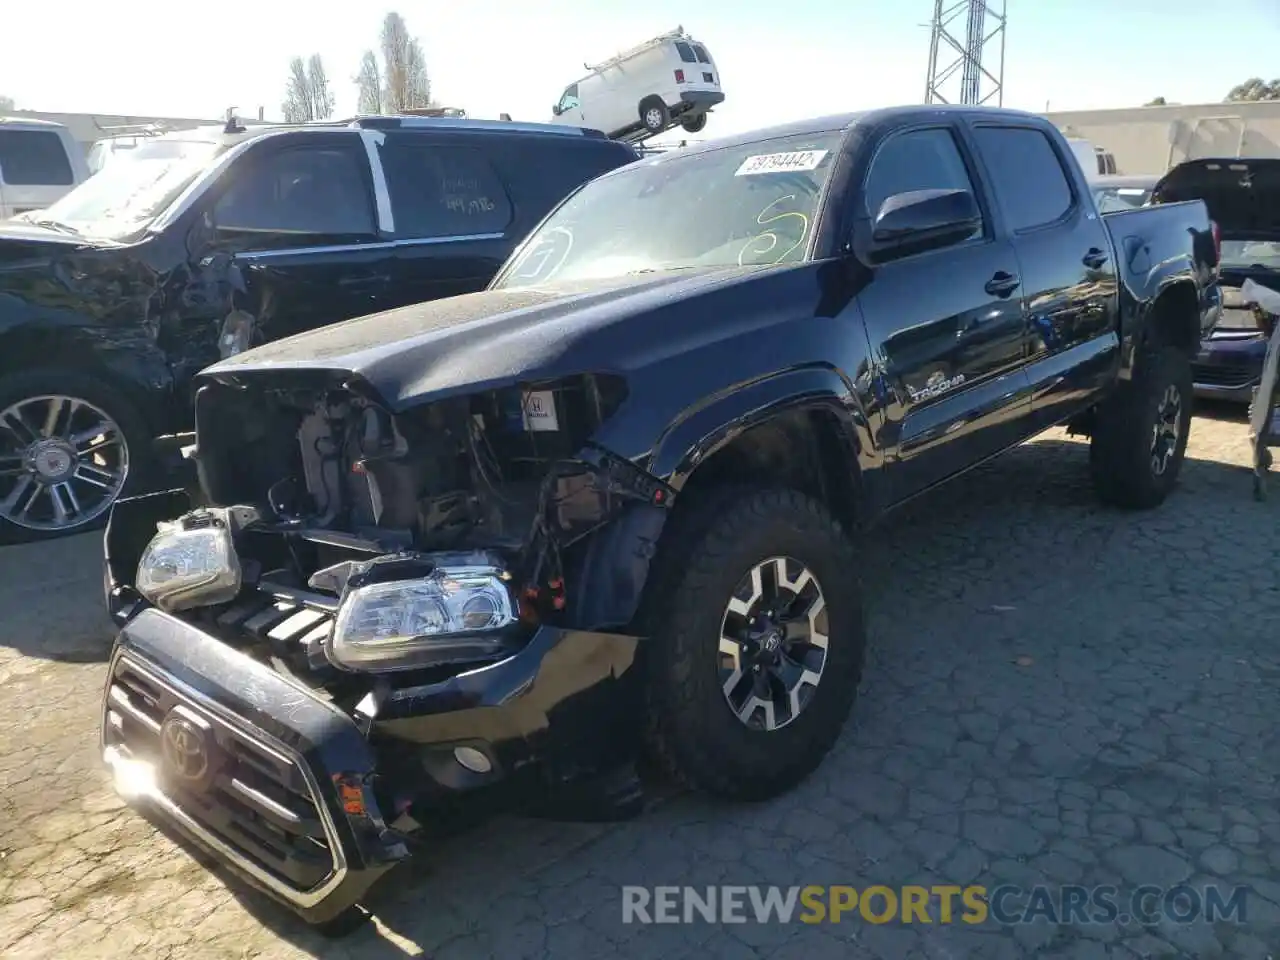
column 364, row 617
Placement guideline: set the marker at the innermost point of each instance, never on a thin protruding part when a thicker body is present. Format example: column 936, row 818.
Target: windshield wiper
column 57, row 225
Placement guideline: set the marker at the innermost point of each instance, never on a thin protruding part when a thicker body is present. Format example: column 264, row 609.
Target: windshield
column 745, row 205
column 1251, row 253
column 1114, row 199
column 133, row 189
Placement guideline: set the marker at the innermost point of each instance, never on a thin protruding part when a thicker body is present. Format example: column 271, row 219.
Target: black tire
column 136, row 437
column 1124, row 458
column 654, row 115
column 691, row 729
column 694, row 124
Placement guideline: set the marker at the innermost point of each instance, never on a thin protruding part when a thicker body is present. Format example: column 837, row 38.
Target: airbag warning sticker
column 799, row 160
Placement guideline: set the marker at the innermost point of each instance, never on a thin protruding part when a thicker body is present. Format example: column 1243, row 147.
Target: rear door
column 1069, row 287
column 945, row 325
column 36, row 168
column 452, row 213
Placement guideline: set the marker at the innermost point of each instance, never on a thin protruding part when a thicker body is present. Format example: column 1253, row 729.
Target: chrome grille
column 259, row 803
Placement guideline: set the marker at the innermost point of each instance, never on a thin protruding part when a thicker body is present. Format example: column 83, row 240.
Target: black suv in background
column 206, row 242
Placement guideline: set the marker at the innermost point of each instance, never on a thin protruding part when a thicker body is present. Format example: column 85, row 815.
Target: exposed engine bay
column 328, row 483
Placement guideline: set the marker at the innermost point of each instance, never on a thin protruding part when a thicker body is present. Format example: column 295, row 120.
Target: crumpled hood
column 1242, row 195
column 21, row 241
column 496, row 337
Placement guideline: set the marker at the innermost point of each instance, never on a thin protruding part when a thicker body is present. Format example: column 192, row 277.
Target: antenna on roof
column 233, row 124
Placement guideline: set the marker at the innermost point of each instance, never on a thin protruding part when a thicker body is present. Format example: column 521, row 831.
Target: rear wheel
column 654, row 114
column 694, row 124
column 1140, row 437
column 70, row 446
column 756, row 643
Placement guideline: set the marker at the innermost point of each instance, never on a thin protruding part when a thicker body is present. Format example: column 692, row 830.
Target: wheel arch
column 754, row 428
column 131, row 364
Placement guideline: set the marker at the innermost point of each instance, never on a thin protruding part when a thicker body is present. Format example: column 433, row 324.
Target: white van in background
column 39, row 162
column 664, row 82
column 1094, row 161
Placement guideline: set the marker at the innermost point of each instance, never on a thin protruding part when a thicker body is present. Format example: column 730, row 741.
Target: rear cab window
column 302, row 189
column 443, row 190
column 923, row 159
column 1031, row 185
column 34, row 158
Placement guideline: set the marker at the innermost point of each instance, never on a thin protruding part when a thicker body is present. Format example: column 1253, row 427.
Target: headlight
column 191, row 562
column 452, row 612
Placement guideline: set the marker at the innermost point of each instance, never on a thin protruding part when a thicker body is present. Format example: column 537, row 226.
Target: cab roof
column 837, row 122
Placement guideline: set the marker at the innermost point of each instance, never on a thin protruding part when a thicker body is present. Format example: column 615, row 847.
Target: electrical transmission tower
column 984, row 23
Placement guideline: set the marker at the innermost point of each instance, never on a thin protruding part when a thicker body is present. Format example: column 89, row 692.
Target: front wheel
column 69, row 447
column 1141, row 435
column 756, row 646
column 654, row 115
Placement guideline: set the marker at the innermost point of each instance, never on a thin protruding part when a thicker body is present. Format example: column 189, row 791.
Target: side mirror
column 556, row 110
column 925, row 218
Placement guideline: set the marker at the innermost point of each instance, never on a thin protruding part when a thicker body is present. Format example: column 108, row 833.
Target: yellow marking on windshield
column 770, row 236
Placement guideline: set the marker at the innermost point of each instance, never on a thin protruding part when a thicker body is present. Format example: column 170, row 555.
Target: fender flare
column 1157, row 281
column 708, row 426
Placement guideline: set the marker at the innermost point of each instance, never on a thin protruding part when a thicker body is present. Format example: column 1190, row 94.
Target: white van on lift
column 39, row 162
column 667, row 81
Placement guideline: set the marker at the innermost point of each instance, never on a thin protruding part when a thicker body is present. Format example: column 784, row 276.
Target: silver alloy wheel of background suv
column 63, row 462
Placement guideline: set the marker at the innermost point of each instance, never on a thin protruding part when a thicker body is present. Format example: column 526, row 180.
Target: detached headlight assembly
column 190, row 562
column 408, row 611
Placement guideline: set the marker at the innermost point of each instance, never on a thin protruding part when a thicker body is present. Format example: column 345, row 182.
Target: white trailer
column 1153, row 139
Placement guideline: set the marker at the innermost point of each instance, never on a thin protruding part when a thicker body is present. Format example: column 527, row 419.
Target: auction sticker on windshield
column 797, row 160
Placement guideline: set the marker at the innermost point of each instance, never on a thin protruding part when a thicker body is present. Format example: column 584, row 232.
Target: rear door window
column 301, row 190
column 1027, row 174
column 701, row 52
column 34, row 158
column 443, row 191
column 686, row 52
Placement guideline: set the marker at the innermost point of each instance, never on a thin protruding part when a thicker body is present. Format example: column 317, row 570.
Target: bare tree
column 307, row 95
column 7, row 104
column 1255, row 88
column 322, row 99
column 369, row 84
column 404, row 72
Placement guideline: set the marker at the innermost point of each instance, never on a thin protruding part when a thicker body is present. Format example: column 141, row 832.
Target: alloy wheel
column 773, row 643
column 63, row 462
column 1166, row 430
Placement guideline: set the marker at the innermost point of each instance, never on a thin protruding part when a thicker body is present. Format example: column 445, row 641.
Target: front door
column 288, row 240
column 945, row 326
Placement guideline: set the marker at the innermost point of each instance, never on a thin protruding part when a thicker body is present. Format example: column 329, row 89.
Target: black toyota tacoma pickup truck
column 506, row 543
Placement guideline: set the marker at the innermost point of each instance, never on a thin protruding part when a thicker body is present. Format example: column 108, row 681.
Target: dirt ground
column 1057, row 693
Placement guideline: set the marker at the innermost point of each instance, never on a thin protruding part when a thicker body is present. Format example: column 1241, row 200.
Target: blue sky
column 777, row 60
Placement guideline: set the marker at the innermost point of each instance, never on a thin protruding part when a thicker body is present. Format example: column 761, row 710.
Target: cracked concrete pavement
column 1057, row 693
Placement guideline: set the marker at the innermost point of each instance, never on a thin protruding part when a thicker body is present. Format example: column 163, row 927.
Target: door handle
column 1094, row 258
column 1002, row 284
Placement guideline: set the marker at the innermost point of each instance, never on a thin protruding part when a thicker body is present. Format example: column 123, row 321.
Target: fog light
column 472, row 759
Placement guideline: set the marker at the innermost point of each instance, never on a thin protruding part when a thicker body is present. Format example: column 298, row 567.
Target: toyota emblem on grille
column 186, row 749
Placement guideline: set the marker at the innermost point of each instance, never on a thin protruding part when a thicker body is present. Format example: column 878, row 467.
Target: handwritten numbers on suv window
column 798, row 161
